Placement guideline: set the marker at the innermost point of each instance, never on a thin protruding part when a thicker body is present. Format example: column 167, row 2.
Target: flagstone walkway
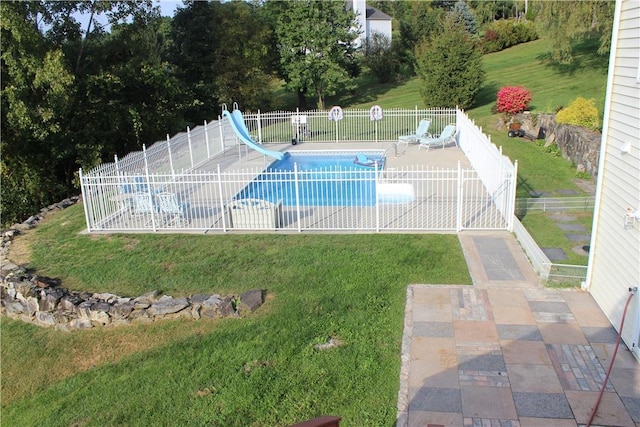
column 508, row 352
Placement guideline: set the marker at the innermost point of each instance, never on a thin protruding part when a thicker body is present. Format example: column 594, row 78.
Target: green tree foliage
column 221, row 52
column 504, row 33
column 450, row 68
column 418, row 20
column 493, row 10
column 316, row 46
column 567, row 20
column 463, row 14
column 36, row 87
column 381, row 58
column 74, row 97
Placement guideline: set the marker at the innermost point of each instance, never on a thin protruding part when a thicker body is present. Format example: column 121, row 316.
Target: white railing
column 541, row 263
column 332, row 199
column 447, row 200
column 355, row 125
column 556, row 204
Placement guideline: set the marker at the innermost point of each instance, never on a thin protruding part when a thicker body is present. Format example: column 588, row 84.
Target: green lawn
column 259, row 370
column 262, row 369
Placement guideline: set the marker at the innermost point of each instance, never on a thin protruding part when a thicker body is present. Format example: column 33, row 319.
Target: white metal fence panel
column 127, row 194
column 555, row 204
column 539, row 260
column 355, row 125
column 328, row 199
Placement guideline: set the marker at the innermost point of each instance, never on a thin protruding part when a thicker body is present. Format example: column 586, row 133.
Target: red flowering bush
column 513, row 99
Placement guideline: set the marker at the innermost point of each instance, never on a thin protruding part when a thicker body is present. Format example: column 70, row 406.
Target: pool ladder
column 393, row 146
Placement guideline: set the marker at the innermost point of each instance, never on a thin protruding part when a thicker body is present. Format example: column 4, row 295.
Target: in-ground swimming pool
column 336, row 178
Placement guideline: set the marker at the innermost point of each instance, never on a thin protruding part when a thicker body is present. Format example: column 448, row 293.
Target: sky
column 167, row 7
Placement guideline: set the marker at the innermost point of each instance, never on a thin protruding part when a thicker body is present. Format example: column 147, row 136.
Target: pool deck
column 404, row 156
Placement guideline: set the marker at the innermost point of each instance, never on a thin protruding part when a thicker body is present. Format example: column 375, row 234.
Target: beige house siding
column 614, row 263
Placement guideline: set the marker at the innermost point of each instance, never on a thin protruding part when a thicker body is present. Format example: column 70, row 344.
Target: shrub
column 449, row 68
column 513, row 99
column 505, row 33
column 581, row 112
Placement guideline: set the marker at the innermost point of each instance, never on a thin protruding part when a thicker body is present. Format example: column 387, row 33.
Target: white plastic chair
column 421, row 131
column 172, row 211
column 447, row 136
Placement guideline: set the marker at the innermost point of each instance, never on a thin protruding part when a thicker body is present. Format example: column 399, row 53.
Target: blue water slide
column 237, row 123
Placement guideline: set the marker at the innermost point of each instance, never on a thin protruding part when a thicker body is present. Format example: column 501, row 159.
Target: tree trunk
column 320, row 101
column 302, row 101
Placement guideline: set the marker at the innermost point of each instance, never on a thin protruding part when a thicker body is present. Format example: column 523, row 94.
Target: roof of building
column 376, row 15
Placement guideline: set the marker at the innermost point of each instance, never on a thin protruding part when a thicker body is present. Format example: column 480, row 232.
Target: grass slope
column 258, row 370
column 261, row 370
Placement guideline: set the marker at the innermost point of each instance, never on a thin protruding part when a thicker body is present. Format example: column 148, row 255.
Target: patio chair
column 172, row 211
column 422, row 131
column 447, row 136
column 143, row 207
column 363, row 160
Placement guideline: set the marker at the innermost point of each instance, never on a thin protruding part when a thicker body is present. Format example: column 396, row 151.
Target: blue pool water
column 323, row 179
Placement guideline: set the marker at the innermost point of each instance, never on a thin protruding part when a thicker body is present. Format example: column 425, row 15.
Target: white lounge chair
column 422, row 131
column 172, row 211
column 447, row 136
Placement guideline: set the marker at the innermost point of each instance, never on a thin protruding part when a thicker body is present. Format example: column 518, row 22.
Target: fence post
column 85, row 199
column 224, row 214
column 170, row 157
column 259, row 127
column 190, row 150
column 375, row 188
column 459, row 200
column 148, row 181
column 514, row 185
column 295, row 177
column 206, row 138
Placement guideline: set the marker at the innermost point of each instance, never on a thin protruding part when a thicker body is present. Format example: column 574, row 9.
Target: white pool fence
column 164, row 187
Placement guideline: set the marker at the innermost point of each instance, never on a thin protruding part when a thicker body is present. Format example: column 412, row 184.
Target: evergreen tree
column 450, row 69
column 464, row 15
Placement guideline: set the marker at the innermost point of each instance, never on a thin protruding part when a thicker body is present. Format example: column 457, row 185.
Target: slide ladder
column 237, row 123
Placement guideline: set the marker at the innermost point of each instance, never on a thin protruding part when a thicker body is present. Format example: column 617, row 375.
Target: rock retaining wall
column 42, row 301
column 578, row 145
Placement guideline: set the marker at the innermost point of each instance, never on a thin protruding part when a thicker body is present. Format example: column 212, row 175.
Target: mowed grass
column 262, row 369
column 258, row 370
column 552, row 86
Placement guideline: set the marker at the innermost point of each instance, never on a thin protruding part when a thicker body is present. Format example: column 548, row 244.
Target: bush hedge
column 504, row 33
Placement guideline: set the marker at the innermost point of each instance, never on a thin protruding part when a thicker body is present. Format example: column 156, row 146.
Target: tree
column 462, row 14
column 35, row 92
column 417, row 21
column 569, row 20
column 316, row 46
column 450, row 68
column 381, row 58
column 72, row 99
column 221, row 52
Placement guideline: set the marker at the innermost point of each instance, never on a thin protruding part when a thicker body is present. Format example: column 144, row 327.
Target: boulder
column 252, row 299
column 45, row 318
column 80, row 324
column 167, row 306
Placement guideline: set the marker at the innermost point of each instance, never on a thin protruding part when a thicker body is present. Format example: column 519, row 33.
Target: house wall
column 614, row 263
column 379, row 26
column 360, row 8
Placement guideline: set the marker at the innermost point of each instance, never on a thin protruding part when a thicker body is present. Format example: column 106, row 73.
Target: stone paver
column 508, row 352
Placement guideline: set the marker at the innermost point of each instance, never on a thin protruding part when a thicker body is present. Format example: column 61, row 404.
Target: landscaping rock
column 41, row 300
column 252, row 299
column 167, row 306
